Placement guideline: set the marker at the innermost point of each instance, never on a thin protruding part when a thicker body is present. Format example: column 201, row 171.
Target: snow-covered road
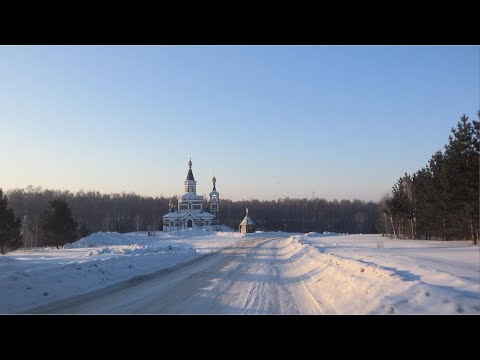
column 281, row 273
column 257, row 276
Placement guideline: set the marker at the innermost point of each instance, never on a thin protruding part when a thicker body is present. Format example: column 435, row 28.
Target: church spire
column 190, row 173
column 190, row 183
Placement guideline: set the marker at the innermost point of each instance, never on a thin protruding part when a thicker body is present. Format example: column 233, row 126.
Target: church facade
column 190, row 212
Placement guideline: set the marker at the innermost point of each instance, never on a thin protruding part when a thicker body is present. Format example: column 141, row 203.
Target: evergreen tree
column 10, row 237
column 57, row 224
column 439, row 197
column 441, row 200
column 461, row 176
column 426, row 212
column 399, row 205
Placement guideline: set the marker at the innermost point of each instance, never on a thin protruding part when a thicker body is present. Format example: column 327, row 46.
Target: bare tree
column 360, row 218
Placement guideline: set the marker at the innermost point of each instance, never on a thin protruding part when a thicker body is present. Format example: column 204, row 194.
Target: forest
column 93, row 212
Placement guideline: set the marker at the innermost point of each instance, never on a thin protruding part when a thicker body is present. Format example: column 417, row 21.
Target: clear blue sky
column 269, row 121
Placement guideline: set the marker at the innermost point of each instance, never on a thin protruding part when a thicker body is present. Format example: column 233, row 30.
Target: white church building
column 190, row 212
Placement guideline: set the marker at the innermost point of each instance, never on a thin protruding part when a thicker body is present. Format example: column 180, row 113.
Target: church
column 190, row 212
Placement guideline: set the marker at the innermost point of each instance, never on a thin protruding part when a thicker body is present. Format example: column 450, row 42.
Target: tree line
column 54, row 225
column 441, row 200
column 92, row 211
column 303, row 215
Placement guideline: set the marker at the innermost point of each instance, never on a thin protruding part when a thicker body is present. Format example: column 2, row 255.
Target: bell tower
column 214, row 199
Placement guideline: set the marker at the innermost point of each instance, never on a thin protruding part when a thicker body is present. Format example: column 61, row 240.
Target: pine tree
column 442, row 200
column 10, row 237
column 426, row 212
column 57, row 224
column 462, row 178
column 439, row 194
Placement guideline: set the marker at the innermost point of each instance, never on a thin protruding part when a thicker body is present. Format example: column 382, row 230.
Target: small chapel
column 247, row 225
column 190, row 212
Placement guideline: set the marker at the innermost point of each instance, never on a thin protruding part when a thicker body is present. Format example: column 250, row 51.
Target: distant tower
column 190, row 200
column 190, row 183
column 214, row 199
column 313, row 194
column 170, row 206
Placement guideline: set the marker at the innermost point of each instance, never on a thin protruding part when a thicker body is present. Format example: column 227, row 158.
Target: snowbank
column 29, row 279
column 360, row 274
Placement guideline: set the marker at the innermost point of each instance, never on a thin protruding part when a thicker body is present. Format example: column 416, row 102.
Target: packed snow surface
column 375, row 274
column 29, row 279
column 260, row 273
